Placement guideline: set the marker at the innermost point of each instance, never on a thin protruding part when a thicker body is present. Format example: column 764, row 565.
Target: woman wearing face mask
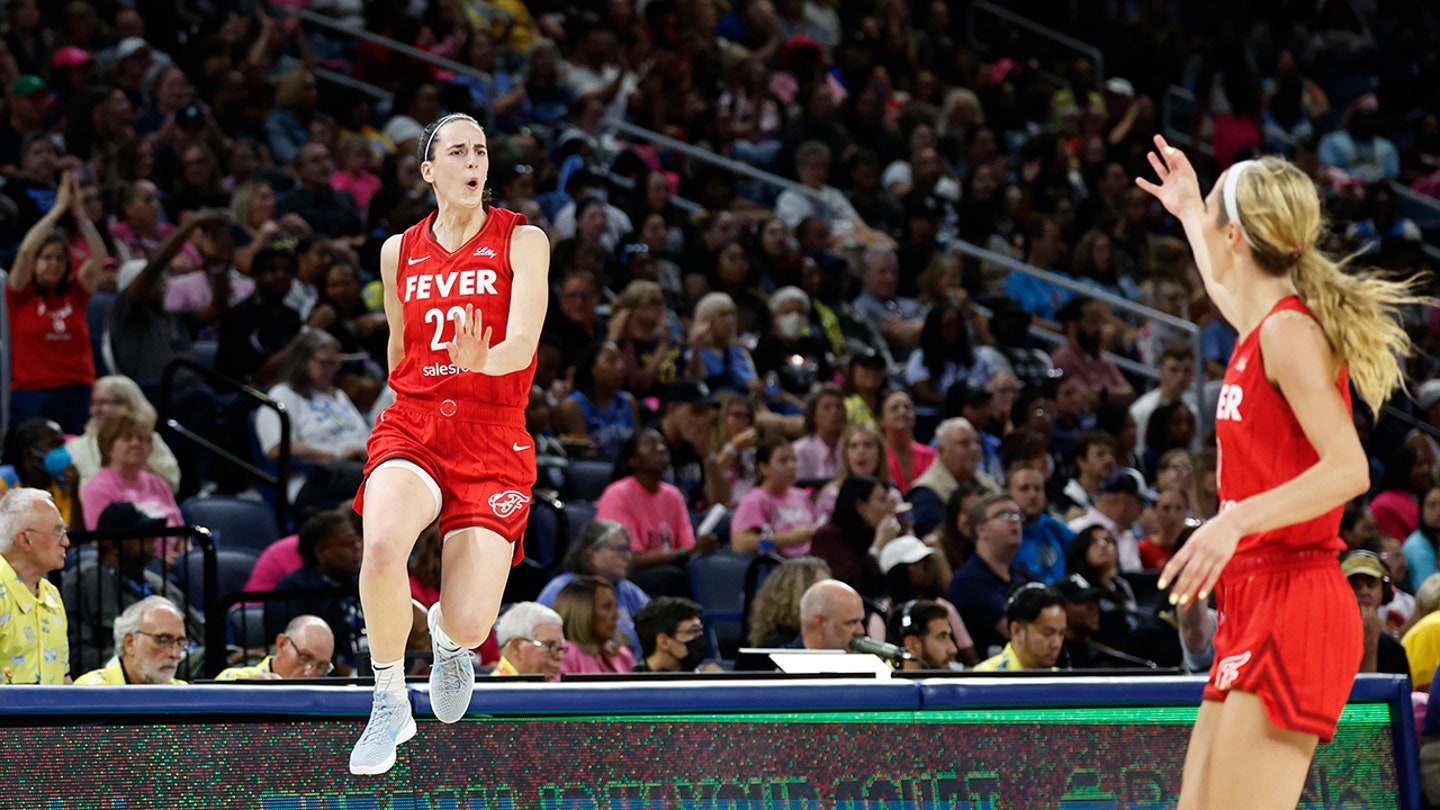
column 792, row 350
column 36, row 457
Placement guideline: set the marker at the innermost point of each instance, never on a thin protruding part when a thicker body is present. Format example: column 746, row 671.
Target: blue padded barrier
column 97, row 702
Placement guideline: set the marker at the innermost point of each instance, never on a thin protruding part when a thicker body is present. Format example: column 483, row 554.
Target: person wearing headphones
column 1035, row 613
column 1370, row 580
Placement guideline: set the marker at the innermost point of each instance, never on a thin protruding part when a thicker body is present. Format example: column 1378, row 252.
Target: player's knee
column 384, row 551
column 468, row 625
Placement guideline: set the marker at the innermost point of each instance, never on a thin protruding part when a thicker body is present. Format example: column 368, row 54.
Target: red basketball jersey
column 434, row 286
column 1261, row 445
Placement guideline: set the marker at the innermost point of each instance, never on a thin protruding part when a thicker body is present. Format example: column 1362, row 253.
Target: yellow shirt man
column 34, row 645
column 1006, row 661
column 1422, row 647
column 112, row 675
column 246, row 673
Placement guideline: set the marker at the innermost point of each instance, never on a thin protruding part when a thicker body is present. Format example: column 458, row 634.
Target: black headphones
column 1387, row 588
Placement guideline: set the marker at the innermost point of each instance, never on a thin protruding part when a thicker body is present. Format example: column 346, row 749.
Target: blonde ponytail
column 1359, row 311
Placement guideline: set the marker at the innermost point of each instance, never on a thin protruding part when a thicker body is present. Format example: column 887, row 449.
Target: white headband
column 445, row 119
column 1232, row 208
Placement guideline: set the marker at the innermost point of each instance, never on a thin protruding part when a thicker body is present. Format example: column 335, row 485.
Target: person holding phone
column 864, row 522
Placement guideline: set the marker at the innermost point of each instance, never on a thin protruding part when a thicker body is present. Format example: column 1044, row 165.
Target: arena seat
column 586, row 478
column 235, row 522
column 718, row 581
column 232, row 571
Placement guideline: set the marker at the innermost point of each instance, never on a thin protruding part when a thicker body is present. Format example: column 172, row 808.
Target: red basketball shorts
column 480, row 456
column 1289, row 632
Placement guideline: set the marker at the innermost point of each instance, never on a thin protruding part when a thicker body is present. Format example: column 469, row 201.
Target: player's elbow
column 1352, row 476
column 1357, row 480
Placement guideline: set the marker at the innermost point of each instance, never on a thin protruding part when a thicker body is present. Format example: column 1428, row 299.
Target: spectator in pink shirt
column 591, row 614
column 1085, row 321
column 355, row 175
column 654, row 513
column 907, row 457
column 817, row 453
column 1409, row 474
column 124, row 441
column 732, row 429
column 776, row 503
column 278, row 560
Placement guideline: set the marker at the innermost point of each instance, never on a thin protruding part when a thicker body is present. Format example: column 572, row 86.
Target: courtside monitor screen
column 1025, row 758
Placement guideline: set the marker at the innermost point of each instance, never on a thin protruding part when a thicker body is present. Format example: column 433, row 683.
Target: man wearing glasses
column 1036, row 616
column 33, row 538
column 981, row 586
column 304, row 650
column 532, row 641
column 150, row 641
column 671, row 635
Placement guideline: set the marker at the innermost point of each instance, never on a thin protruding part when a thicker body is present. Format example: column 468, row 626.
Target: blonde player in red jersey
column 453, row 446
column 1288, row 644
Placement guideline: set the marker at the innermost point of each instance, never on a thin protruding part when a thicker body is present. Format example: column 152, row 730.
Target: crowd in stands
column 923, row 446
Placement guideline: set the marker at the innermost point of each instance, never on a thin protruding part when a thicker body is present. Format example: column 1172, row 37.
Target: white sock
column 389, row 676
column 440, row 637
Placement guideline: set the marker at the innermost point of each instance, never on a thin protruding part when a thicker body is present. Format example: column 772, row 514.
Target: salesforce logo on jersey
column 440, row 370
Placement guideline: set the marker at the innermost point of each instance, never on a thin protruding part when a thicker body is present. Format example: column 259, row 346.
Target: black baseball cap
column 1076, row 588
column 123, row 516
column 689, row 392
column 1127, row 481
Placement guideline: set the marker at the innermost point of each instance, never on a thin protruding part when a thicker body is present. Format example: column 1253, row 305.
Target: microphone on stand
column 880, row 649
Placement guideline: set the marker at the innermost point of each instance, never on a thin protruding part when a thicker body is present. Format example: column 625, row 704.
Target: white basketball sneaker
column 452, row 676
column 390, row 724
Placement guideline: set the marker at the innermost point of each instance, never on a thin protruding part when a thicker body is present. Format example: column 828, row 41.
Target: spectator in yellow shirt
column 532, row 641
column 150, row 642
column 1036, row 616
column 304, row 650
column 34, row 646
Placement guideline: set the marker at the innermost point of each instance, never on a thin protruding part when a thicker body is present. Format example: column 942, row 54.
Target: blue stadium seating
column 235, row 522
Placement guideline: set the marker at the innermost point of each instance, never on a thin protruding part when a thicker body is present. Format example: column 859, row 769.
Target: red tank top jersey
column 1261, row 446
column 50, row 338
column 434, row 285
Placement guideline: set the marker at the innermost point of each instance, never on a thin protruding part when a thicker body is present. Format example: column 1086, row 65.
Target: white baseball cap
column 906, row 549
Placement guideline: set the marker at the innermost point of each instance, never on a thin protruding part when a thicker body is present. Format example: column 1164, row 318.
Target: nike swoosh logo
column 517, row 447
column 417, row 261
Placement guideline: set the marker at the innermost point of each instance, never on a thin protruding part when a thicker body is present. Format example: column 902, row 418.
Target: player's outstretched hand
column 1179, row 188
column 471, row 346
column 1196, row 567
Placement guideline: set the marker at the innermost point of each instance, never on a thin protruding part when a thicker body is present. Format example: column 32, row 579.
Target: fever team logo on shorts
column 1228, row 670
column 505, row 503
